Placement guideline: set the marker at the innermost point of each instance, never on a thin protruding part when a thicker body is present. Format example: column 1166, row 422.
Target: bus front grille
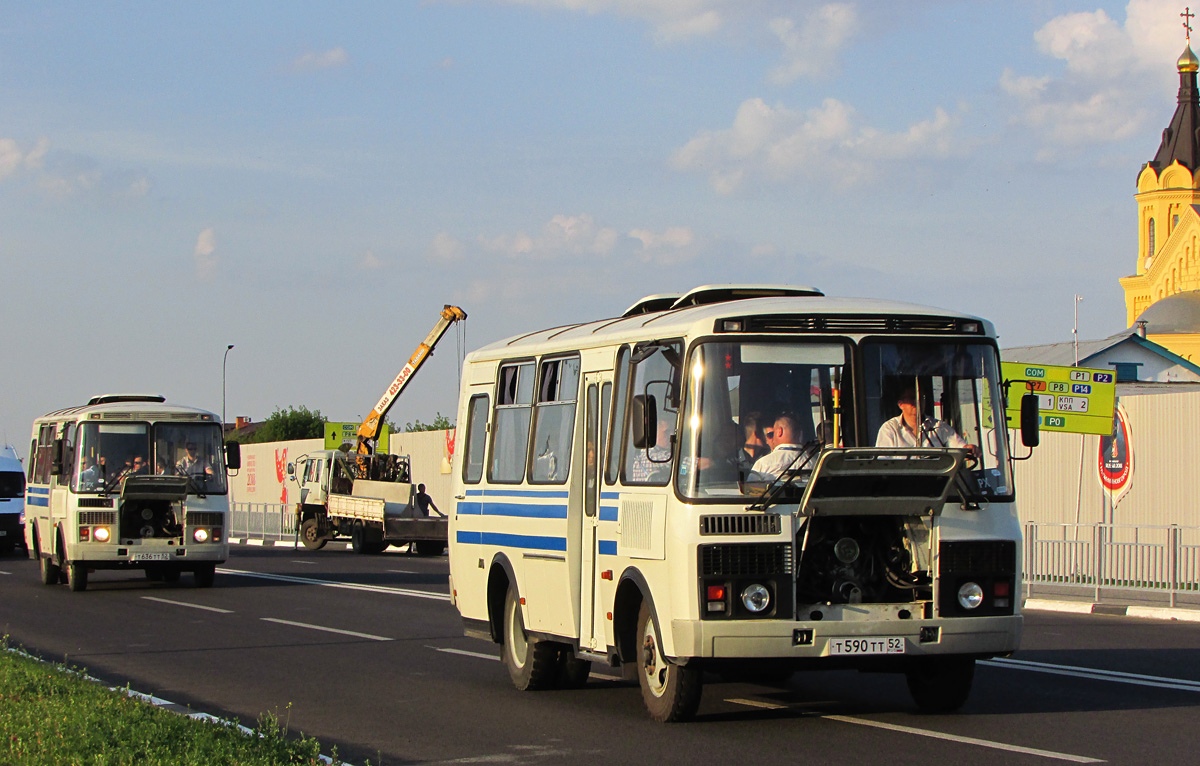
column 97, row 518
column 739, row 524
column 754, row 559
column 205, row 519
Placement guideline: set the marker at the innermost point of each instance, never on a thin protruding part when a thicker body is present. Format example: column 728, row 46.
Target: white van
column 12, row 500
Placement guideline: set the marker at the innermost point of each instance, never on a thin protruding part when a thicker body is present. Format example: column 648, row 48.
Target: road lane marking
column 464, row 653
column 327, row 630
column 964, row 740
column 757, row 703
column 3, row 572
column 333, row 584
column 184, row 603
column 301, row 561
column 404, row 571
column 1158, row 682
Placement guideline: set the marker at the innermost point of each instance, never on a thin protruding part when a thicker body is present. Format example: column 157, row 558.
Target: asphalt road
column 367, row 654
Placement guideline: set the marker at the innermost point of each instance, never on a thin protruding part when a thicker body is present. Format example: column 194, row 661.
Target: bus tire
column 941, row 685
column 572, row 672
column 77, row 575
column 49, row 571
column 205, row 574
column 171, row 574
column 154, row 572
column 310, row 535
column 429, row 547
column 671, row 692
column 532, row 664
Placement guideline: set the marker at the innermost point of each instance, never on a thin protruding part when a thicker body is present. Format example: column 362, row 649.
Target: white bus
column 12, row 500
column 128, row 482
column 612, row 506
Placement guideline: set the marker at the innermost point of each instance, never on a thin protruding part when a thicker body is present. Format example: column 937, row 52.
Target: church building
column 1162, row 296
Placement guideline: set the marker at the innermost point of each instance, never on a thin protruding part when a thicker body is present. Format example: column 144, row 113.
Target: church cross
column 1187, row 17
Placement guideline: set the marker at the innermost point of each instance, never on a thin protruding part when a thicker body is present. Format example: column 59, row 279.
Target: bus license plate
column 151, row 557
column 878, row 645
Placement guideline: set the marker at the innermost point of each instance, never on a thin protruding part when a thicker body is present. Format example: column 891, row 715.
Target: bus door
column 597, row 398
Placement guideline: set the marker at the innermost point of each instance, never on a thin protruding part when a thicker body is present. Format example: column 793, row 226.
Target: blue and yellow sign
column 1072, row 400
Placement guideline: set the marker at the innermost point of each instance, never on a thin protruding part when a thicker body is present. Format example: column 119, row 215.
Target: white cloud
column 777, row 144
column 314, row 61
column 370, row 262
column 13, row 159
column 562, row 236
column 1116, row 75
column 674, row 245
column 445, row 248
column 204, row 254
column 811, row 47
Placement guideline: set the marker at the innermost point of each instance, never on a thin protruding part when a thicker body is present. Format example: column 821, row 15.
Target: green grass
column 48, row 716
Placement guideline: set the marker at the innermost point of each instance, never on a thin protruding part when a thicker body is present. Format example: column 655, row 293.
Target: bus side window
column 612, row 462
column 510, row 440
column 554, row 424
column 477, row 412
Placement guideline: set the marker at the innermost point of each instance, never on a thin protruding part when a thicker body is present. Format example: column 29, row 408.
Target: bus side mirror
column 644, row 419
column 1030, row 417
column 292, row 470
column 233, row 455
column 56, row 460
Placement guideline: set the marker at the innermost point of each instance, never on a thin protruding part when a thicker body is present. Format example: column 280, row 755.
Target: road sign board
column 1071, row 399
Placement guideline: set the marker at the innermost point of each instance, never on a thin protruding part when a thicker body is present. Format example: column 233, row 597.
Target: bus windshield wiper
column 803, row 457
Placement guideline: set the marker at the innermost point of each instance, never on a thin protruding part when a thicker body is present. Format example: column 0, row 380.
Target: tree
column 289, row 424
column 440, row 423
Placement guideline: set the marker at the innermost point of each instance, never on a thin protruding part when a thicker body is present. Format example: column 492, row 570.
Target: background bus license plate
column 151, row 557
column 878, row 645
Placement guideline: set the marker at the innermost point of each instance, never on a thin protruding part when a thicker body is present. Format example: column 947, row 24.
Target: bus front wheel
column 531, row 663
column 49, row 571
column 671, row 692
column 204, row 575
column 77, row 575
column 941, row 686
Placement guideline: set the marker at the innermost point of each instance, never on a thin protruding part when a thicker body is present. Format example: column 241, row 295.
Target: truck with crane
column 364, row 495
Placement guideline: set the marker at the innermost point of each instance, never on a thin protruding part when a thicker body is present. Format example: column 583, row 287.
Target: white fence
column 1160, row 559
column 262, row 521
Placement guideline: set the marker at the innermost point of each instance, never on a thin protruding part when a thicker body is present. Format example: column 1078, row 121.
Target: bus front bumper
column 846, row 640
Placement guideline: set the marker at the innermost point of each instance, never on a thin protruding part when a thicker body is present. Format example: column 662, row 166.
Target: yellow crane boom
column 370, row 428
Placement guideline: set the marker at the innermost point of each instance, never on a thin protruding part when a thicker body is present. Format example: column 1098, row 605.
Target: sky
column 312, row 182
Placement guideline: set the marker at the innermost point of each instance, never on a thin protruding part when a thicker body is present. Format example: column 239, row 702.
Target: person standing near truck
column 425, row 502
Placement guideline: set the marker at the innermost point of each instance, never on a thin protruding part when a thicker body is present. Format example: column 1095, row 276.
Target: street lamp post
column 223, row 361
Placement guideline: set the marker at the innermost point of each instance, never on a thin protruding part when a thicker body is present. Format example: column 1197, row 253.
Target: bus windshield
column 757, row 408
column 108, row 453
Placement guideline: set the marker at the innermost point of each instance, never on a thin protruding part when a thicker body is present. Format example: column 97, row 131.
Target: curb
column 332, row 545
column 1179, row 614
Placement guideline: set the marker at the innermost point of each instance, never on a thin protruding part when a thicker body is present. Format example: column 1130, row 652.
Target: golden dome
column 1188, row 61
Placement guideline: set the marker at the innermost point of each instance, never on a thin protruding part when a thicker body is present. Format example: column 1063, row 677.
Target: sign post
column 1072, row 400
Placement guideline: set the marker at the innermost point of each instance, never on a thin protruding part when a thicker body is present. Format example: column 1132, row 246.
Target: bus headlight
column 756, row 598
column 200, row 535
column 970, row 595
column 100, row 534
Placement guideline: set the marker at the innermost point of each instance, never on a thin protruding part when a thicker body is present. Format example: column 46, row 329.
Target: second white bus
column 608, row 506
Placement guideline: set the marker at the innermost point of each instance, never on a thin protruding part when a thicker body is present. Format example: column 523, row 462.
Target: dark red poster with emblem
column 1115, row 459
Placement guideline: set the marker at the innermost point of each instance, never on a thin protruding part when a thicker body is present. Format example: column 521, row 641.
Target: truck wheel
column 77, row 575
column 205, row 574
column 49, row 571
column 358, row 539
column 310, row 535
column 429, row 547
column 941, row 685
column 531, row 663
column 671, row 692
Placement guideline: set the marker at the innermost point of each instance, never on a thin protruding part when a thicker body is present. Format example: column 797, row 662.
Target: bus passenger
column 192, row 464
column 785, row 449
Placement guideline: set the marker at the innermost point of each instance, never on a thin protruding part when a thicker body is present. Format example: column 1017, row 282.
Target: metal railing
column 1161, row 559
column 262, row 521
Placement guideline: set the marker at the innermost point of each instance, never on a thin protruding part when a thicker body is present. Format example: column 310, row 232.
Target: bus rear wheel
column 941, row 686
column 671, row 692
column 310, row 535
column 531, row 663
